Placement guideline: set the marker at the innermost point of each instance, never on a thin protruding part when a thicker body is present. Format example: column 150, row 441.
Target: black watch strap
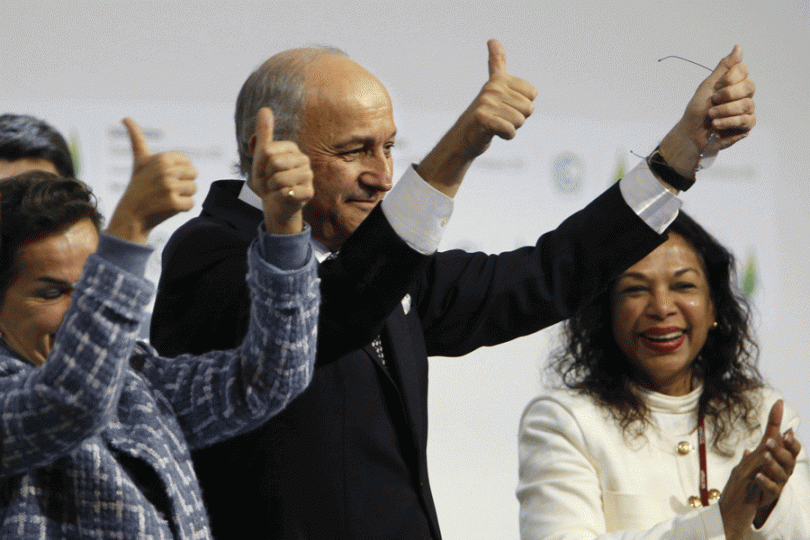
column 665, row 172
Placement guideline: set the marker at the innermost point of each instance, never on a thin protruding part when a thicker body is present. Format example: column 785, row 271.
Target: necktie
column 376, row 342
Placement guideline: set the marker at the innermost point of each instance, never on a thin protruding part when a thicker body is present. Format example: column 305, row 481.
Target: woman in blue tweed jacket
column 96, row 428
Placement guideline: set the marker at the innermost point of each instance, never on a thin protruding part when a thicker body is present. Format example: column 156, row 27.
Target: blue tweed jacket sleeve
column 49, row 411
column 221, row 394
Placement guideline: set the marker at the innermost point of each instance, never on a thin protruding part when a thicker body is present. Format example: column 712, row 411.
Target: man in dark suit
column 347, row 459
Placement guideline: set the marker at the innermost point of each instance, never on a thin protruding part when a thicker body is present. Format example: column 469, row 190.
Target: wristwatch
column 665, row 172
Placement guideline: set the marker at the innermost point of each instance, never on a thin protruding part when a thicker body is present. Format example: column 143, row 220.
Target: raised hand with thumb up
column 281, row 176
column 499, row 109
column 161, row 186
column 722, row 107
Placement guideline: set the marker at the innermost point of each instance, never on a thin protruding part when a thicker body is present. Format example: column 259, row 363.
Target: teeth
column 664, row 337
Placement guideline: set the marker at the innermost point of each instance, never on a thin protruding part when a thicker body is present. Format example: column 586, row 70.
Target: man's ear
column 252, row 144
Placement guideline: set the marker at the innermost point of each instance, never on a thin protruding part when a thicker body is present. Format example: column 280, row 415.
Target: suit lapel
column 223, row 203
column 407, row 370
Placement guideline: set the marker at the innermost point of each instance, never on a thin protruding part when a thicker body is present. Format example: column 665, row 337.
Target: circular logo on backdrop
column 568, row 173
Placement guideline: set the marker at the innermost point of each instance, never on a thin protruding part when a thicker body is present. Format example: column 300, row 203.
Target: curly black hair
column 589, row 360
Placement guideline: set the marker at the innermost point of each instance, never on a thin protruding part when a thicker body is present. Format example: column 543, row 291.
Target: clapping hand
column 779, row 453
column 756, row 483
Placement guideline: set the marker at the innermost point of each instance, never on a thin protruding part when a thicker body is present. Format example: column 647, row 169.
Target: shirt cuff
column 127, row 256
column 285, row 251
column 417, row 212
column 712, row 523
column 648, row 198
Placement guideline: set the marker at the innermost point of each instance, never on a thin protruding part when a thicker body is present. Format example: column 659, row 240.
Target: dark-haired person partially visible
column 616, row 453
column 30, row 144
column 96, row 428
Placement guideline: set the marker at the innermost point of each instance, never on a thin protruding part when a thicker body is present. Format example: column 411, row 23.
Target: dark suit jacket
column 347, row 459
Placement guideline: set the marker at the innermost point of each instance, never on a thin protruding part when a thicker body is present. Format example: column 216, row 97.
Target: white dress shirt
column 419, row 214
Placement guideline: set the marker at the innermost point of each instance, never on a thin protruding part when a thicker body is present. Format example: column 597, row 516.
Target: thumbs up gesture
column 500, row 108
column 722, row 104
column 726, row 98
column 161, row 186
column 281, row 176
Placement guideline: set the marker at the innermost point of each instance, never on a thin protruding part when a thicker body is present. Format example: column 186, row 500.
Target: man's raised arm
column 500, row 108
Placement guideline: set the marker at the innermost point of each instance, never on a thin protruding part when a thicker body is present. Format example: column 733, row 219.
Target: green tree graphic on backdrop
column 621, row 169
column 749, row 277
column 75, row 153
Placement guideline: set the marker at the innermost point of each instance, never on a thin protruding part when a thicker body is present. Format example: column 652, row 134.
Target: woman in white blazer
column 663, row 427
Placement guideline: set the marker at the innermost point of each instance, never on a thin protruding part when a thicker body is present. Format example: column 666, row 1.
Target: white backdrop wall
column 176, row 66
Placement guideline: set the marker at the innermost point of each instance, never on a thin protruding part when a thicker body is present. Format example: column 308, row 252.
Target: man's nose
column 378, row 174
